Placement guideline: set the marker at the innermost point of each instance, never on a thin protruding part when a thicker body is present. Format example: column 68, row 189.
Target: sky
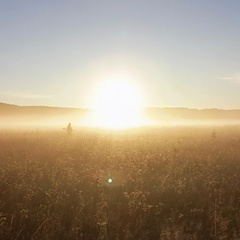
column 179, row 53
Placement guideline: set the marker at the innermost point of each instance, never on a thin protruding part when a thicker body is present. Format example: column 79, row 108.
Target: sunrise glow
column 118, row 104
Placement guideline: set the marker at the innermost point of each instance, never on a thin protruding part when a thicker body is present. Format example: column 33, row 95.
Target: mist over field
column 13, row 116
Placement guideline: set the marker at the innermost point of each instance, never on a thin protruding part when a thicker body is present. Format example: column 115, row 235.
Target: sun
column 118, row 104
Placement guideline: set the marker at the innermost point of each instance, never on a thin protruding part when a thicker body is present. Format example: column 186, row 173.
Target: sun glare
column 118, row 104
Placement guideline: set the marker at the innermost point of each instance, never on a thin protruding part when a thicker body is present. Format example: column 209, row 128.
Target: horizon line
column 148, row 107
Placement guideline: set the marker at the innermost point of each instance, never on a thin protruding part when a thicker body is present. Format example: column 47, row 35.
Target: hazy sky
column 180, row 53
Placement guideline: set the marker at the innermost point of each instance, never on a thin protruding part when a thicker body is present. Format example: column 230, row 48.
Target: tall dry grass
column 173, row 183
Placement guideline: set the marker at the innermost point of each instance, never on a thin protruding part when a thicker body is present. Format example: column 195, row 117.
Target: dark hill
column 38, row 115
column 186, row 114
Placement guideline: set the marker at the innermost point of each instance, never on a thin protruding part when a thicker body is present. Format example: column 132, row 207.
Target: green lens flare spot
column 109, row 180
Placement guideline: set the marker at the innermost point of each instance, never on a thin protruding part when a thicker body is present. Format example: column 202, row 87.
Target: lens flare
column 110, row 180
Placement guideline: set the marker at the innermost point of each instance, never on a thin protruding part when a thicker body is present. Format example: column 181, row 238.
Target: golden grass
column 172, row 183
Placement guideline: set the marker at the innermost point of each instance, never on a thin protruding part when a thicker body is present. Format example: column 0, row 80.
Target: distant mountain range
column 14, row 114
column 193, row 114
column 15, row 110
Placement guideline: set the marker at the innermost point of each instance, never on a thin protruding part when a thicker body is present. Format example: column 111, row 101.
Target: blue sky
column 180, row 53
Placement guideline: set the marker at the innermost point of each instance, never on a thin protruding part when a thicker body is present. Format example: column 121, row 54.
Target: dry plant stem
column 11, row 223
column 18, row 234
column 38, row 229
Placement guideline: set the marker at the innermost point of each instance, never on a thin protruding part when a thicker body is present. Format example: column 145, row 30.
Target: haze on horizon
column 176, row 53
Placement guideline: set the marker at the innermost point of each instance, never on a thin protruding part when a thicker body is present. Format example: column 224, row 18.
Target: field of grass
column 167, row 183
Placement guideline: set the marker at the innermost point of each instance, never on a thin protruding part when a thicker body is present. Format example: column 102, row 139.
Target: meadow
column 153, row 183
